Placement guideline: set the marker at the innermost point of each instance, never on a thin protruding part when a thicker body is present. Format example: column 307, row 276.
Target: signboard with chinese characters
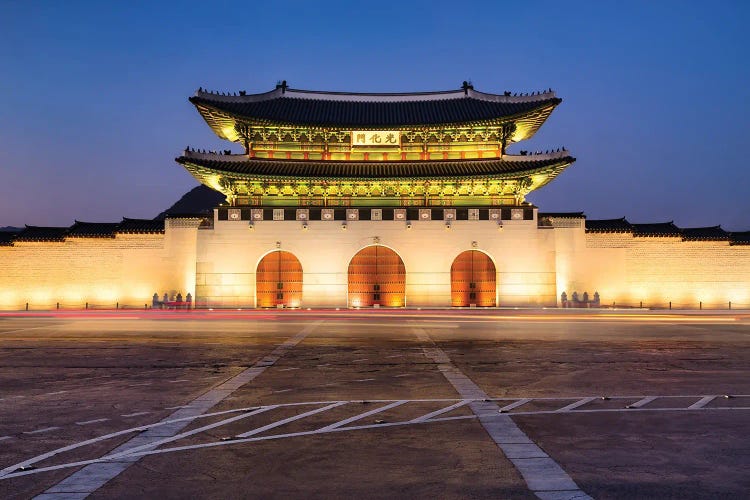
column 368, row 138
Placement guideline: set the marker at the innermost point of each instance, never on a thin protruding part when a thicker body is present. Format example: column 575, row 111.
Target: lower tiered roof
column 242, row 165
column 242, row 175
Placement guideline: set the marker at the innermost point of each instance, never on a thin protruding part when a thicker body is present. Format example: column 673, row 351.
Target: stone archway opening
column 376, row 277
column 278, row 280
column 473, row 280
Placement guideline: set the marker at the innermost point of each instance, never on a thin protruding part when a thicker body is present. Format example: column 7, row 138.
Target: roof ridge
column 323, row 95
column 702, row 227
column 76, row 221
column 46, row 227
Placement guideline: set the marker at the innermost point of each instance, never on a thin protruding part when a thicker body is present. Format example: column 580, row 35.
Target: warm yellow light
column 229, row 133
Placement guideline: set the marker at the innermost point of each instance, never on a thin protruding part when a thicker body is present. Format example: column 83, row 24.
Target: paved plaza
column 495, row 403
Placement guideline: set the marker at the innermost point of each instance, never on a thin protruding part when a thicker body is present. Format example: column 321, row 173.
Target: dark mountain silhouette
column 199, row 200
column 10, row 229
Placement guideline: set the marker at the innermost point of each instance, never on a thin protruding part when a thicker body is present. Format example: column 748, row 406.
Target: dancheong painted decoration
column 305, row 148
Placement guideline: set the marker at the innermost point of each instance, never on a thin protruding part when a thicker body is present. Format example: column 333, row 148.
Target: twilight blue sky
column 656, row 94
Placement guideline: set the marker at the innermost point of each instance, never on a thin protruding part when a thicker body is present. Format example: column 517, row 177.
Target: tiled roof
column 620, row 225
column 370, row 169
column 704, row 233
column 38, row 233
column 374, row 110
column 140, row 226
column 93, row 229
column 739, row 238
column 6, row 238
column 656, row 229
column 83, row 230
column 711, row 233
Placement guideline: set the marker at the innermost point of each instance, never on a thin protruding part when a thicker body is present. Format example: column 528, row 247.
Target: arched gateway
column 377, row 276
column 473, row 280
column 278, row 280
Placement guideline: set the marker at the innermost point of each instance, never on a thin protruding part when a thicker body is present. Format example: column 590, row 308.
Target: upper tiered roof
column 286, row 106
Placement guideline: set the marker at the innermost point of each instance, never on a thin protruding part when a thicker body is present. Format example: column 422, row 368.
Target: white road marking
column 396, row 356
column 139, row 385
column 364, row 380
column 8, row 470
column 137, row 414
column 514, row 448
column 435, row 413
column 642, row 402
column 542, row 474
column 181, row 380
column 578, row 403
column 290, row 419
column 281, row 390
column 287, row 369
column 403, row 375
column 94, row 476
column 95, row 421
column 518, row 403
column 3, row 438
column 226, row 421
column 324, row 365
column 358, row 360
column 25, row 330
column 701, row 402
column 53, row 393
column 177, row 407
column 40, row 431
column 366, row 414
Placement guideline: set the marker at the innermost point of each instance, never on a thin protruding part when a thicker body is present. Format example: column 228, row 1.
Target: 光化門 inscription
column 376, row 138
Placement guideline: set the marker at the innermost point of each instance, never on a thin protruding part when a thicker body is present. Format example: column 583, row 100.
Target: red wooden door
column 473, row 280
column 377, row 276
column 278, row 280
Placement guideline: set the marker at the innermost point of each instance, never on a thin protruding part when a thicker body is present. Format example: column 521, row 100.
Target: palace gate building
column 376, row 200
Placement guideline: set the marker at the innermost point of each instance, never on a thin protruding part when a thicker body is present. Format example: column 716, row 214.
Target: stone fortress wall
column 125, row 269
column 653, row 271
column 217, row 265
